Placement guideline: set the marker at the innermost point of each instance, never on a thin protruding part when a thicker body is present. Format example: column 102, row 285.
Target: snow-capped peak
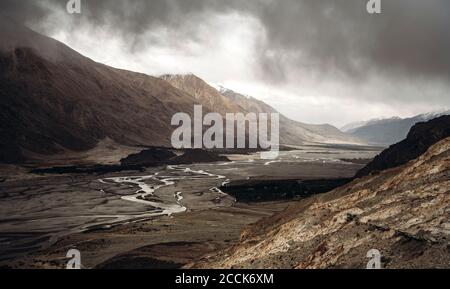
column 434, row 114
column 220, row 88
column 223, row 90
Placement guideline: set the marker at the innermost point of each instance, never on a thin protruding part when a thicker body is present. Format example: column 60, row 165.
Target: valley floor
column 120, row 220
column 166, row 242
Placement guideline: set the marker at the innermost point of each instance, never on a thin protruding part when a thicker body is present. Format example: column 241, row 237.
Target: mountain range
column 54, row 100
column 421, row 136
column 388, row 131
column 224, row 100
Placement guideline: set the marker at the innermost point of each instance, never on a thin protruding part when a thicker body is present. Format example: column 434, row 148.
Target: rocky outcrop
column 198, row 156
column 420, row 138
column 250, row 191
column 402, row 212
column 148, row 157
column 152, row 157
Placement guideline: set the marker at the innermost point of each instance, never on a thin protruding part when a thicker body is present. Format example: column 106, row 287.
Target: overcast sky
column 317, row 61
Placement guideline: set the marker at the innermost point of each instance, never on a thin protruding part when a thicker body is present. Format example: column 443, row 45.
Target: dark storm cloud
column 411, row 38
column 22, row 10
column 408, row 37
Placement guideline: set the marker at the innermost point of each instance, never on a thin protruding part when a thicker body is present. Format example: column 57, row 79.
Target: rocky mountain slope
column 388, row 131
column 402, row 212
column 225, row 100
column 419, row 139
column 203, row 93
column 53, row 99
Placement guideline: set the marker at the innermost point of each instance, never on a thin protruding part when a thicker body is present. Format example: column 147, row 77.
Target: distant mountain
column 324, row 133
column 291, row 132
column 419, row 139
column 388, row 131
column 351, row 127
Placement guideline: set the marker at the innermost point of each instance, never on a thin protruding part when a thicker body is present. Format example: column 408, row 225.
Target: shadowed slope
column 54, row 99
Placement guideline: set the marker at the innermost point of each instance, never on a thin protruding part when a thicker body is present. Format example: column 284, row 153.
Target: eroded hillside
column 403, row 212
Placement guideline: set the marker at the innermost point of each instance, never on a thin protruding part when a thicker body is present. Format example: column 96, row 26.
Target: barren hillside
column 402, row 212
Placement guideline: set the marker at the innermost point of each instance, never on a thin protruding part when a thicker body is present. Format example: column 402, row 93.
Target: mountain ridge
column 388, row 131
column 61, row 100
column 291, row 132
column 54, row 100
column 421, row 136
